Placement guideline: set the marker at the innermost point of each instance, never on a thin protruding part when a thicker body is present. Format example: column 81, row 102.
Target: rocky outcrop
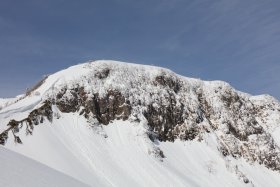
column 105, row 109
column 110, row 107
column 169, row 82
column 239, row 132
column 168, row 120
column 36, row 117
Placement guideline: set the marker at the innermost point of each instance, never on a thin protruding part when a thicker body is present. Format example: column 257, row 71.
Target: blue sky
column 236, row 41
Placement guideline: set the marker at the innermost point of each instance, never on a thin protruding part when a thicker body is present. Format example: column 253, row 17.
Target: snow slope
column 4, row 102
column 18, row 171
column 123, row 153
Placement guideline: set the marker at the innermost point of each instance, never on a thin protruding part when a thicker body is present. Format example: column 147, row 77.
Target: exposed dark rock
column 199, row 118
column 67, row 104
column 112, row 106
column 4, row 137
column 17, row 139
column 105, row 109
column 235, row 104
column 103, row 74
column 170, row 82
column 246, row 180
column 191, row 133
column 163, row 119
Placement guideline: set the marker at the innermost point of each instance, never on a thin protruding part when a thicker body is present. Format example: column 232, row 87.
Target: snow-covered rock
column 127, row 124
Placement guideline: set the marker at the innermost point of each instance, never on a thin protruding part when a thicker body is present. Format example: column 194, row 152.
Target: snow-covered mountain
column 109, row 123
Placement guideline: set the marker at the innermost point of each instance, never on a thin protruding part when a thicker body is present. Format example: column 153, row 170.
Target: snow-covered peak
column 103, row 75
column 117, row 72
column 83, row 100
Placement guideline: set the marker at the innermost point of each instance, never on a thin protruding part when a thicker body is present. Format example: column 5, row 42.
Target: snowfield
column 123, row 153
column 19, row 171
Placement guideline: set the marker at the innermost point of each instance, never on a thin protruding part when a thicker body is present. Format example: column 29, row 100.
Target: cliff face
column 172, row 107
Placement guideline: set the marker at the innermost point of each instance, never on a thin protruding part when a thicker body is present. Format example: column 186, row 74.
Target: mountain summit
column 110, row 123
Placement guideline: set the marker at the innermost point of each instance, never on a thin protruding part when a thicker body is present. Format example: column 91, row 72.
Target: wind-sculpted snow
column 169, row 107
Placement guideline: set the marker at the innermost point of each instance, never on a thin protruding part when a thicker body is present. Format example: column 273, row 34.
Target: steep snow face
column 18, row 171
column 109, row 119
